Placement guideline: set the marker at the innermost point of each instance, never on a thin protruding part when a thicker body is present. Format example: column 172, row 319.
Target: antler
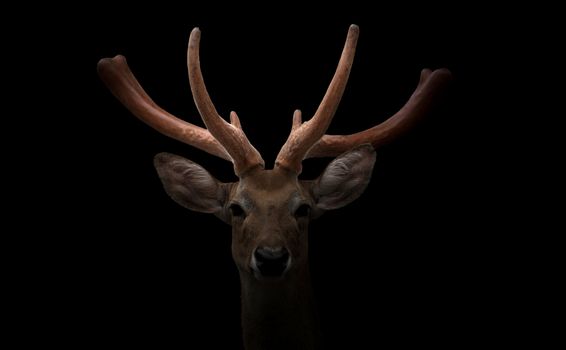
column 231, row 136
column 308, row 140
column 304, row 136
column 418, row 105
column 222, row 139
column 118, row 77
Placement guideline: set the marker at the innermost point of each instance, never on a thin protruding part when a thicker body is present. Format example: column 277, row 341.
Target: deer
column 270, row 209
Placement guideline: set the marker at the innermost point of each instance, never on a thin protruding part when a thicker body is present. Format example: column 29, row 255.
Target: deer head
column 269, row 210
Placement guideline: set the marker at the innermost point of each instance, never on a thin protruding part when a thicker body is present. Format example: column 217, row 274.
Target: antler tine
column 418, row 105
column 243, row 154
column 118, row 77
column 304, row 137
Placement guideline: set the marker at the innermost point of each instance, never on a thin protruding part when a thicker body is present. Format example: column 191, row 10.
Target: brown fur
column 277, row 313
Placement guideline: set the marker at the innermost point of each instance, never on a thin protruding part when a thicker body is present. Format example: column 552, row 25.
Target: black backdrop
column 410, row 262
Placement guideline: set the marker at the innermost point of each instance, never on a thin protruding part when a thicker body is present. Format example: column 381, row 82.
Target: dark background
column 413, row 261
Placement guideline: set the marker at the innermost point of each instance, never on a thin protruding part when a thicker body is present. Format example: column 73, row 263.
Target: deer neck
column 279, row 314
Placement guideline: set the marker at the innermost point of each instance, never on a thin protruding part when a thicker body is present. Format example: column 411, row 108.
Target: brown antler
column 231, row 136
column 307, row 140
column 223, row 140
column 304, row 136
column 123, row 84
column 418, row 105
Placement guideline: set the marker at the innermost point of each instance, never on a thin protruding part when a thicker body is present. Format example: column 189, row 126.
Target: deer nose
column 271, row 261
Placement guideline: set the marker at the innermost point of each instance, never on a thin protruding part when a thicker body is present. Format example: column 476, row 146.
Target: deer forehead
column 269, row 189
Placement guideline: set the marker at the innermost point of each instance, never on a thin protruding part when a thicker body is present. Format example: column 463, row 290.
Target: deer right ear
column 189, row 184
column 345, row 178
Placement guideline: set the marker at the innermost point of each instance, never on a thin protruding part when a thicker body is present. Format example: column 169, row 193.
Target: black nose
column 271, row 262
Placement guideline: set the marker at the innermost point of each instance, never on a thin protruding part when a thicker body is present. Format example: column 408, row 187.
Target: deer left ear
column 189, row 184
column 345, row 178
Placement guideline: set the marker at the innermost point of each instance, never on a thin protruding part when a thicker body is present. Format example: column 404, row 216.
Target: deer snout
column 270, row 261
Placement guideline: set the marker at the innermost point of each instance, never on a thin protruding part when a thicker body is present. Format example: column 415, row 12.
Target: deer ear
column 345, row 178
column 189, row 184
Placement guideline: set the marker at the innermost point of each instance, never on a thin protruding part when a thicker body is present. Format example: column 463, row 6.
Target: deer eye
column 237, row 210
column 302, row 211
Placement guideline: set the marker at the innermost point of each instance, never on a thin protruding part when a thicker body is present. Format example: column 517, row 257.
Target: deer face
column 269, row 210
